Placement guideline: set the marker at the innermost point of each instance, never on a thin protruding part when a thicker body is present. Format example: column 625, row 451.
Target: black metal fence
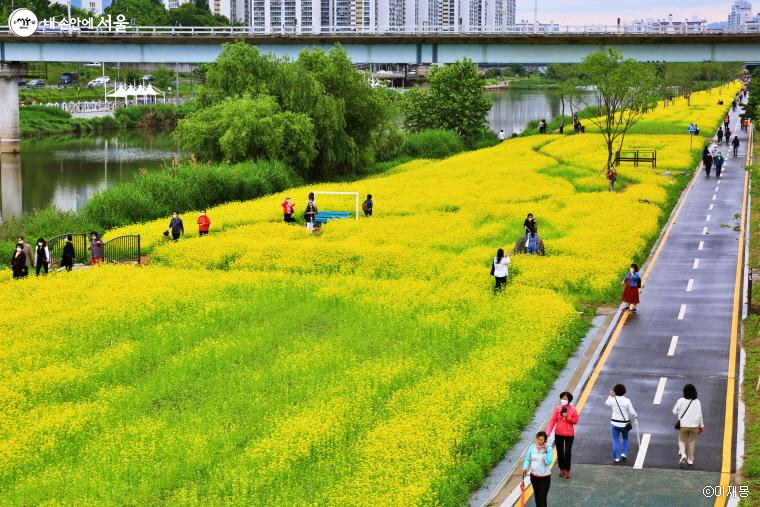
column 122, row 249
column 79, row 240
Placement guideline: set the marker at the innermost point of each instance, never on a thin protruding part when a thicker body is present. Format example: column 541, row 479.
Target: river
column 65, row 171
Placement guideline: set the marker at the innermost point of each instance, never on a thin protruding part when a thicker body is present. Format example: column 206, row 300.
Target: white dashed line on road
column 717, row 188
column 660, row 391
column 701, row 244
column 707, row 219
column 682, row 312
column 696, row 264
column 639, row 464
column 690, row 285
column 704, row 230
column 714, row 196
column 711, row 207
column 673, row 343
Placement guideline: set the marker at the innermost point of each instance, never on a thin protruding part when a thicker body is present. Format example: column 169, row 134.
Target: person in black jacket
column 530, row 224
column 67, row 257
column 18, row 262
column 176, row 226
column 310, row 213
column 735, row 144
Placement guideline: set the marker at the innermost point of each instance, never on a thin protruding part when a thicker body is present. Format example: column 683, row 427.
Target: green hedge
column 433, row 143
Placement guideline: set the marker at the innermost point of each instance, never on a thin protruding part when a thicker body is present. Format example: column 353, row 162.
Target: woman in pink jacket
column 563, row 421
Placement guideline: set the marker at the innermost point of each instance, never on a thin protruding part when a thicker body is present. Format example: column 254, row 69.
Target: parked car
column 35, row 83
column 148, row 77
column 99, row 82
column 68, row 78
column 21, row 82
column 92, row 64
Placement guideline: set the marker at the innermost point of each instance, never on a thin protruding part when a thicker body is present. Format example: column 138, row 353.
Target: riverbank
column 43, row 120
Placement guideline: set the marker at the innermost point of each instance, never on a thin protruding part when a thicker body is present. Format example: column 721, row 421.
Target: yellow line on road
column 728, row 425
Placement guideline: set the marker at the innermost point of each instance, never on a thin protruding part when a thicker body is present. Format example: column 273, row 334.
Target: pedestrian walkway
column 684, row 332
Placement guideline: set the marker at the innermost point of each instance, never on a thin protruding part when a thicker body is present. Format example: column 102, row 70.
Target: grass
column 751, row 342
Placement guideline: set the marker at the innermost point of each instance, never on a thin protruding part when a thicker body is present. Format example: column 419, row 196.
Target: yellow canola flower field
column 367, row 365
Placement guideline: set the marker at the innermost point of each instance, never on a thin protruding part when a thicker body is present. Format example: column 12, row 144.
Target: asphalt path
column 681, row 333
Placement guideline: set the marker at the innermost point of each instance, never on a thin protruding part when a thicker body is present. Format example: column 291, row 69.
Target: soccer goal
column 338, row 214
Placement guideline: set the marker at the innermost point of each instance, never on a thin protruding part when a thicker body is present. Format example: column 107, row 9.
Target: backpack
column 365, row 206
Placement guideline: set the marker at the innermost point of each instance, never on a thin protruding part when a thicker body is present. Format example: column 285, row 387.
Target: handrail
column 288, row 31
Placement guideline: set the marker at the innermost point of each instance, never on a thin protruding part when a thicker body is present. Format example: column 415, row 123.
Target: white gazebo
column 119, row 93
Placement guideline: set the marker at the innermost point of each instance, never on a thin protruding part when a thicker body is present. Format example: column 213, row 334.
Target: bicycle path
column 681, row 334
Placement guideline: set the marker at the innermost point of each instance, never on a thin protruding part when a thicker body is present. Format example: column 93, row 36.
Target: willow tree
column 623, row 91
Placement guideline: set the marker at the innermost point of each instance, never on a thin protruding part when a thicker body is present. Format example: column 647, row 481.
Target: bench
column 636, row 156
column 325, row 216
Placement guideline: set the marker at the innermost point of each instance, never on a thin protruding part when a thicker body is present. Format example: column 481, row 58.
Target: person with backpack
column 718, row 161
column 620, row 421
column 42, row 258
column 499, row 270
column 176, row 227
column 689, row 423
column 735, row 144
column 367, row 206
column 67, row 257
column 632, row 282
column 538, row 464
column 204, row 224
column 562, row 421
column 612, row 177
column 720, row 135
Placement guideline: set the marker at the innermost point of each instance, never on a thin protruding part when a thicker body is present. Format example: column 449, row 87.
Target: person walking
column 735, row 144
column 720, row 135
column 718, row 162
column 310, row 213
column 502, row 135
column 620, row 421
column 689, row 424
column 367, row 206
column 204, row 224
column 727, row 135
column 537, row 464
column 96, row 249
column 726, row 121
column 707, row 162
column 176, row 227
column 28, row 252
column 67, row 257
column 562, row 421
column 632, row 282
column 42, row 258
column 499, row 270
column 530, row 224
column 287, row 210
column 612, row 177
column 18, row 262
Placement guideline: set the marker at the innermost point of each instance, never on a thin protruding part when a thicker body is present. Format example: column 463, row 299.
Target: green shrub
column 433, row 143
column 486, row 141
column 44, row 223
column 157, row 193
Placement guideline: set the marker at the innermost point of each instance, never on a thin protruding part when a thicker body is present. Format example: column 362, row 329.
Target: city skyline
column 603, row 12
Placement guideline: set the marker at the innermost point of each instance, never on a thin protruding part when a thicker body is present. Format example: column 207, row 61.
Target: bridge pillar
column 10, row 135
column 10, row 185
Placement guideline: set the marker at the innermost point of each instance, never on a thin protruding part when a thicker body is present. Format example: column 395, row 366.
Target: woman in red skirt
column 632, row 282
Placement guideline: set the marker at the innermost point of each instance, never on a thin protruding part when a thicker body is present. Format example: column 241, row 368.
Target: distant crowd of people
column 41, row 258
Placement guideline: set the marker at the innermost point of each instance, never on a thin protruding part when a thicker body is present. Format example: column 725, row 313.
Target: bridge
column 527, row 44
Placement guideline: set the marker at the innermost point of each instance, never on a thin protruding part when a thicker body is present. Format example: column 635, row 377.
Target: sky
column 606, row 12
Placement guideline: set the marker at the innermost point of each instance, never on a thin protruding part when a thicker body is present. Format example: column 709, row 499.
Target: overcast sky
column 584, row 12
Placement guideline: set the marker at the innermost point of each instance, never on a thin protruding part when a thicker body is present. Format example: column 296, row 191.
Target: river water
column 67, row 171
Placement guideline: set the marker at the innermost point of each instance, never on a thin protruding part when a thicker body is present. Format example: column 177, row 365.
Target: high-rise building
column 741, row 13
column 221, row 7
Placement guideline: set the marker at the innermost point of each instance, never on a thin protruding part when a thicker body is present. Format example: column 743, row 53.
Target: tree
column 195, row 14
column 44, row 9
column 624, row 89
column 141, row 12
column 347, row 112
column 568, row 88
column 454, row 101
column 246, row 128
